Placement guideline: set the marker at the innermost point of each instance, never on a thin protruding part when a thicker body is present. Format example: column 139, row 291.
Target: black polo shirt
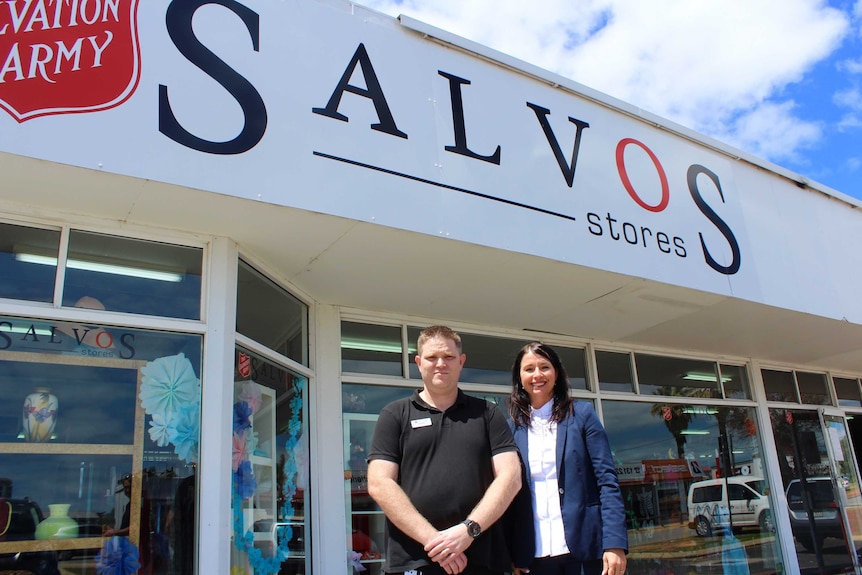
column 445, row 466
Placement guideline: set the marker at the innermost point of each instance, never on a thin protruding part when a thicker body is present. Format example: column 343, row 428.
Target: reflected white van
column 740, row 500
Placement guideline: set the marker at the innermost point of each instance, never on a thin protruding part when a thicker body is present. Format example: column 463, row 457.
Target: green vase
column 58, row 524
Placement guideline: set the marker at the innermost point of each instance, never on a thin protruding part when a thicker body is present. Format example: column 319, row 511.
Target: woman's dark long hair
column 519, row 401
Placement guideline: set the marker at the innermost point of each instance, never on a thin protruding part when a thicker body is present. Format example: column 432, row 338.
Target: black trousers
column 565, row 565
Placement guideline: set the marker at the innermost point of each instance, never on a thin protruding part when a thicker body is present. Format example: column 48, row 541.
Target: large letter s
column 693, row 172
column 179, row 24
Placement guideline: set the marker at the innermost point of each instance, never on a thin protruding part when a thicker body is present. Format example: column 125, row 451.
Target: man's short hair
column 437, row 331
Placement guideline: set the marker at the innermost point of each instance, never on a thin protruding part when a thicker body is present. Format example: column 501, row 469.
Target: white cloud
column 850, row 66
column 850, row 98
column 771, row 131
column 716, row 66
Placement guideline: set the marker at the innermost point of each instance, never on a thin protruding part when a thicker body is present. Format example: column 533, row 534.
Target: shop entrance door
column 845, row 478
column 821, row 483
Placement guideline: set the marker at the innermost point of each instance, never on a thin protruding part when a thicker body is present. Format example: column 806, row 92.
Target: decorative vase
column 40, row 415
column 58, row 524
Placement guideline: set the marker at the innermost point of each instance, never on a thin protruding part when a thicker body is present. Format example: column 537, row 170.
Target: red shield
column 62, row 57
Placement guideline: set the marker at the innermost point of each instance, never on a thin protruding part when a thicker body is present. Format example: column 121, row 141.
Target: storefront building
column 223, row 224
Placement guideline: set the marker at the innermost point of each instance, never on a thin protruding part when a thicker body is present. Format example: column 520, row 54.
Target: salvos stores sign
column 325, row 106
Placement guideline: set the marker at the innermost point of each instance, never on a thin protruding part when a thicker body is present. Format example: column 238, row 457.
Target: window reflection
column 269, row 468
column 779, row 385
column 813, row 388
column 361, row 405
column 734, row 379
column 270, row 315
column 615, row 371
column 367, row 348
column 847, row 391
column 28, row 262
column 682, row 514
column 661, row 375
column 102, row 448
column 135, row 276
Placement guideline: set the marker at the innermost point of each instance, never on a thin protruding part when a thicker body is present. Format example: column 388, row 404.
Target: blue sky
column 780, row 79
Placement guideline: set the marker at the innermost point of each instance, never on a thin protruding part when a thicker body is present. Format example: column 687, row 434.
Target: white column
column 214, row 467
column 329, row 526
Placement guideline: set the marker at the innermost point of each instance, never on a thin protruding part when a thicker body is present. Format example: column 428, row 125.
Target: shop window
column 779, row 385
column 489, row 359
column 847, row 391
column 28, row 262
column 270, row 467
column 99, row 435
column 375, row 349
column 270, row 315
column 660, row 375
column 615, row 371
column 734, row 379
column 813, row 388
column 694, row 487
column 135, row 276
column 361, row 405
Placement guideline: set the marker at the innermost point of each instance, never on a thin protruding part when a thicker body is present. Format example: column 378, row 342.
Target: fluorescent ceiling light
column 700, row 410
column 372, row 345
column 694, row 432
column 22, row 329
column 104, row 268
column 704, row 376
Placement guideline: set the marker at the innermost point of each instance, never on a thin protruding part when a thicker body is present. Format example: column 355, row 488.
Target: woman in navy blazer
column 570, row 516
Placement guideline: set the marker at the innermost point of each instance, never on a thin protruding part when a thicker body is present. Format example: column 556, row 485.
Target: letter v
column 567, row 169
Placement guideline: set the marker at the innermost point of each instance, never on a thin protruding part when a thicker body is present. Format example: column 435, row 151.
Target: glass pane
column 779, row 385
column 489, row 359
column 675, row 468
column 361, row 405
column 735, row 381
column 660, row 375
column 615, row 371
column 813, row 509
column 28, row 262
column 813, row 388
column 847, row 391
column 367, row 348
column 270, row 469
column 135, row 276
column 270, row 315
column 575, row 362
column 98, row 436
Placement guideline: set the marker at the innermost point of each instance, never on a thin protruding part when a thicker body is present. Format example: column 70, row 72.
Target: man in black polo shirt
column 443, row 467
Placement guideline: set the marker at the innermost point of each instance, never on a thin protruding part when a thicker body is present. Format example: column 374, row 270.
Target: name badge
column 424, row 422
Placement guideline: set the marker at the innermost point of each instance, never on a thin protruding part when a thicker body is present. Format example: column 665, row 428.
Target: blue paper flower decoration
column 118, row 557
column 244, row 483
column 241, row 416
column 185, row 434
column 168, row 383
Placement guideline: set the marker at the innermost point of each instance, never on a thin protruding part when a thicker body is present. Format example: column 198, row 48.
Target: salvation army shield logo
column 67, row 56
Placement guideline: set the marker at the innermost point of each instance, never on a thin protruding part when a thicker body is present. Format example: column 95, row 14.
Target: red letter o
column 624, row 177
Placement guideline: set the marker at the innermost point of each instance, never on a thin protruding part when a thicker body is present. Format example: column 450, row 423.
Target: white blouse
column 547, row 517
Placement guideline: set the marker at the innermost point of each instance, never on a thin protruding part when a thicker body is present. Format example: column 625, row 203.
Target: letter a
column 374, row 92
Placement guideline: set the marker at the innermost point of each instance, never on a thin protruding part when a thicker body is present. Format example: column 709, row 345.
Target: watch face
column 473, row 529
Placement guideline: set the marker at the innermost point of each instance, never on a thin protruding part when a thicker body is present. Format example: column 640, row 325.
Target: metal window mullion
column 62, row 258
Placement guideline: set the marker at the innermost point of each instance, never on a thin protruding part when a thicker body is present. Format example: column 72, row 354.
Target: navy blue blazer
column 593, row 511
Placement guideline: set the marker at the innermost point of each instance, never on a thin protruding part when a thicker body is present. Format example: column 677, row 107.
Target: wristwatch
column 473, row 528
